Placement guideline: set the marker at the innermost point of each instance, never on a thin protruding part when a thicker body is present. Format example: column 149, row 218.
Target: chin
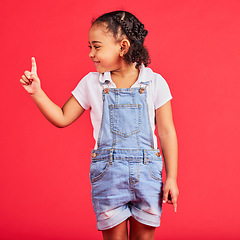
column 100, row 70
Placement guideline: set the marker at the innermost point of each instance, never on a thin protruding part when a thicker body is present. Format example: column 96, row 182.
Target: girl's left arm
column 168, row 141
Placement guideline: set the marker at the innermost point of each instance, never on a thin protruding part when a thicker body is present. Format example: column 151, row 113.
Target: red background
column 44, row 183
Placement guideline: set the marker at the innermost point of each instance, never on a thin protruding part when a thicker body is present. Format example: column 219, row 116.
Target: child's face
column 105, row 50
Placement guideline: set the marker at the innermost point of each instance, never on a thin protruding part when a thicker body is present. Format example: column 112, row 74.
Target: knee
column 116, row 233
column 139, row 231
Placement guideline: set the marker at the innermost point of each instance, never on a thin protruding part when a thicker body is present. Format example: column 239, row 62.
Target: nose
column 91, row 54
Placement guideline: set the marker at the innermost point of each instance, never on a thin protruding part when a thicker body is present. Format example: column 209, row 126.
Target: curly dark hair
column 124, row 23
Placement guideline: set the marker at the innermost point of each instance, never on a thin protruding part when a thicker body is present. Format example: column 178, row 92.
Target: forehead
column 100, row 32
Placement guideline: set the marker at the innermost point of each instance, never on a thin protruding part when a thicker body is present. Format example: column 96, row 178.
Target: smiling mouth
column 96, row 63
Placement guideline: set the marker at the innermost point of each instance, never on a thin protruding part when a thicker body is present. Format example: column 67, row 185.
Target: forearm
column 60, row 117
column 169, row 147
column 168, row 141
column 50, row 110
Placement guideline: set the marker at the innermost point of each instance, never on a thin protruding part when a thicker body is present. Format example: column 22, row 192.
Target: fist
column 30, row 80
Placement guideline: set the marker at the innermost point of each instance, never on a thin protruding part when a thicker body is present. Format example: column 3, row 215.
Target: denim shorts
column 126, row 183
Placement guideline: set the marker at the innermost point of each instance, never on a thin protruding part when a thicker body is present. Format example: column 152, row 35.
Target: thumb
column 33, row 77
column 34, row 66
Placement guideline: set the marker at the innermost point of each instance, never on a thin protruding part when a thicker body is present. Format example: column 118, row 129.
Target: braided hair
column 124, row 23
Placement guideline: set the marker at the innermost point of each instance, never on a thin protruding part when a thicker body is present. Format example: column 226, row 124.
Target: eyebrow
column 94, row 42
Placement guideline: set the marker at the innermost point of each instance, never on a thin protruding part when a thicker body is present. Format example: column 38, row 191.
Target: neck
column 125, row 76
column 125, row 71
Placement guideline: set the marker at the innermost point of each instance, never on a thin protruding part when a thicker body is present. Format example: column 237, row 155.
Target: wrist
column 172, row 178
column 36, row 93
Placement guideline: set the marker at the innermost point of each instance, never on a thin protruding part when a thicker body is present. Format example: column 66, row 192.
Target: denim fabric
column 125, row 171
column 125, row 120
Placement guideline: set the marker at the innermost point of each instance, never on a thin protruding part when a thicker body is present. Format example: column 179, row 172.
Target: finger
column 23, row 83
column 34, row 66
column 175, row 207
column 165, row 196
column 27, row 74
column 33, row 77
column 174, row 202
column 26, row 80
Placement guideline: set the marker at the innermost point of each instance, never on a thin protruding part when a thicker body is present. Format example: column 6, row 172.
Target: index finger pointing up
column 34, row 66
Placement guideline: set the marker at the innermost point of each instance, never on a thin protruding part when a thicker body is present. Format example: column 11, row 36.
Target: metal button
column 141, row 90
column 158, row 154
column 94, row 155
column 106, row 90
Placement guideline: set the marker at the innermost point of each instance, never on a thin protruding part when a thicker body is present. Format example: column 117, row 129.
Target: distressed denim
column 125, row 171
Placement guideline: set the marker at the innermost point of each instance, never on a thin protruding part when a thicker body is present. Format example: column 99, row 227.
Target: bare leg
column 119, row 232
column 139, row 231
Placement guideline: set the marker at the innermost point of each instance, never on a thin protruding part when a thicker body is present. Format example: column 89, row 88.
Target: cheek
column 113, row 55
column 108, row 58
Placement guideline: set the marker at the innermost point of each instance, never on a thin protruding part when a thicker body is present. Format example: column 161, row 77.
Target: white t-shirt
column 89, row 94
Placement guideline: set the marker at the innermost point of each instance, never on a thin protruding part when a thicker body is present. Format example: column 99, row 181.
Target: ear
column 125, row 45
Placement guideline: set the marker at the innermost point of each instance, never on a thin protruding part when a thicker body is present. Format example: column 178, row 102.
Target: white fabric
column 89, row 94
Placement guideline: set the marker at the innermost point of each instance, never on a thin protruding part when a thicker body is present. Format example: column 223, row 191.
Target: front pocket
column 98, row 169
column 155, row 169
column 125, row 119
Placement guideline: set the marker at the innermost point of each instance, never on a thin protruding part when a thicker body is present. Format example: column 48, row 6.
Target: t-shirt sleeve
column 162, row 92
column 81, row 92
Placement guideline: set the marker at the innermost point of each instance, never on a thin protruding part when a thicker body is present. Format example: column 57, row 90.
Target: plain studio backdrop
column 44, row 171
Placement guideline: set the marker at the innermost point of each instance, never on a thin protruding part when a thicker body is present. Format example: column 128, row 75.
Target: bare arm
column 168, row 141
column 60, row 117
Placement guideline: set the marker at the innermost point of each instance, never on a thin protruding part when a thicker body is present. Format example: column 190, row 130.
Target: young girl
column 126, row 99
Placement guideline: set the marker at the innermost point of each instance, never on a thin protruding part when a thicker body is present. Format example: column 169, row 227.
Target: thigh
column 120, row 232
column 141, row 231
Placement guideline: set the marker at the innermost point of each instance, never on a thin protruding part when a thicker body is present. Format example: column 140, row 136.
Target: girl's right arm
column 60, row 117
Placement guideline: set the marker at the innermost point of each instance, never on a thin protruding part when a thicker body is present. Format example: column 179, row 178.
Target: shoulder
column 86, row 90
column 156, row 79
column 89, row 81
column 159, row 90
column 90, row 77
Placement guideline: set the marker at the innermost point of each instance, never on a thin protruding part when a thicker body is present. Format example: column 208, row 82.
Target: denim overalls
column 125, row 169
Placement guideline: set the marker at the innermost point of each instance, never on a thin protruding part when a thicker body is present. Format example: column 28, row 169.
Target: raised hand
column 30, row 80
